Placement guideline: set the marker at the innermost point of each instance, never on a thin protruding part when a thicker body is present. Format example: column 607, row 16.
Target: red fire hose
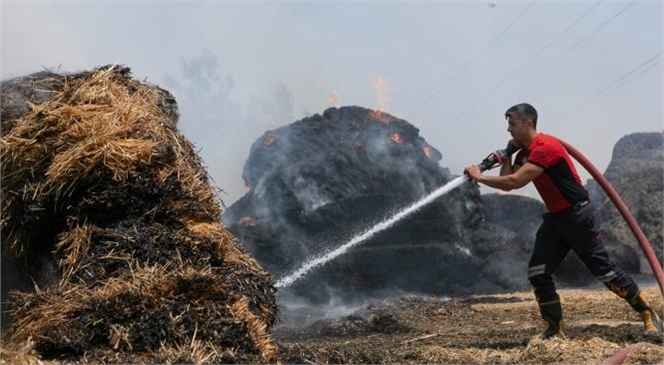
column 624, row 211
column 621, row 355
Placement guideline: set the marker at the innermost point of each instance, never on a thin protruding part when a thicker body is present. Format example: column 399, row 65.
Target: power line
column 503, row 81
column 637, row 75
column 616, row 15
column 571, row 49
column 477, row 57
column 557, row 38
column 621, row 81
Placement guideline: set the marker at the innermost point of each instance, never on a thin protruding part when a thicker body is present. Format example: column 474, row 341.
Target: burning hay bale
column 317, row 182
column 107, row 209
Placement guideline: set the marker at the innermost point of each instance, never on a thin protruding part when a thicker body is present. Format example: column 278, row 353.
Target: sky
column 593, row 69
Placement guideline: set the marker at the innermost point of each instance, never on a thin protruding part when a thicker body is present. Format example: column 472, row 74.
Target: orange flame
column 378, row 115
column 427, row 150
column 269, row 139
column 334, row 99
column 381, row 87
column 397, row 138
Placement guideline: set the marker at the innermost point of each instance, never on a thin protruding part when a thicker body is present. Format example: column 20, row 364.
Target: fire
column 397, row 138
column 378, row 115
column 381, row 87
column 427, row 150
column 357, row 144
column 269, row 139
column 334, row 99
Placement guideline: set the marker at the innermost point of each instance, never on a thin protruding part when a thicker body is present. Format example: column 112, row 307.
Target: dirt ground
column 481, row 329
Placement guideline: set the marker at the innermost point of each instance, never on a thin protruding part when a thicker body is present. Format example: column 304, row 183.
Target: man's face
column 517, row 127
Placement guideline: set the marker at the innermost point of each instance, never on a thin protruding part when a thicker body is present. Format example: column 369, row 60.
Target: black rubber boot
column 651, row 321
column 552, row 314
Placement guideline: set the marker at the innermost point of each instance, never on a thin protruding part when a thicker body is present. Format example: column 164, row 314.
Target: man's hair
column 523, row 111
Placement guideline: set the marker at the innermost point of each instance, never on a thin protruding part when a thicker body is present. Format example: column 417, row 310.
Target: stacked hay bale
column 107, row 209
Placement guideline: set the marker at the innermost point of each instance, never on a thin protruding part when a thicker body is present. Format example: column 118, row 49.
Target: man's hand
column 512, row 146
column 513, row 143
column 473, row 172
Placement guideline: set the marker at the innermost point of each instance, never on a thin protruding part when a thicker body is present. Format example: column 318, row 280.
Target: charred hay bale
column 319, row 181
column 154, row 309
column 636, row 171
column 23, row 353
column 107, row 208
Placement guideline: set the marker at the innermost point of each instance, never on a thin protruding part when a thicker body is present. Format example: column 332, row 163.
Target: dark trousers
column 579, row 231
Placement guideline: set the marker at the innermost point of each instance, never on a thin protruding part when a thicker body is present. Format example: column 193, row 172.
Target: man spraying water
column 572, row 221
column 494, row 159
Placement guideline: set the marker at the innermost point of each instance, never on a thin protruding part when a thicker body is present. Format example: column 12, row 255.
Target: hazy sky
column 593, row 69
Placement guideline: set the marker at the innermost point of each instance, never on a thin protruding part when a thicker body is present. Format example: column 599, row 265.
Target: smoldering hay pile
column 319, row 181
column 107, row 209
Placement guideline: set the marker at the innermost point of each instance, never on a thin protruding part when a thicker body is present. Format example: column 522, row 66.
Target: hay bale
column 23, row 353
column 107, row 208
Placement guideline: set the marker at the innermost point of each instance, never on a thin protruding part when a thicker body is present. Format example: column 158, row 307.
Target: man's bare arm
column 517, row 179
column 507, row 168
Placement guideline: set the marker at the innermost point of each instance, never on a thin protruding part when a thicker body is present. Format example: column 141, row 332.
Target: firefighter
column 571, row 221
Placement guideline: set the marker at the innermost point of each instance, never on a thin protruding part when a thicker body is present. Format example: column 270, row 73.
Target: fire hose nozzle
column 497, row 157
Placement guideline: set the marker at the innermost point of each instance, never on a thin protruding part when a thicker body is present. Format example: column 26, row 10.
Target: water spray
column 290, row 279
column 492, row 160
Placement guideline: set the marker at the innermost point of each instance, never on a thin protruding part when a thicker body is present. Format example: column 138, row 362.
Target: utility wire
column 616, row 15
column 571, row 49
column 621, row 81
column 561, row 34
column 639, row 74
column 477, row 57
column 503, row 81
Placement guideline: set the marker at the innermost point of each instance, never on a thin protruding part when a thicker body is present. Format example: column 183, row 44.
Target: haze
column 593, row 69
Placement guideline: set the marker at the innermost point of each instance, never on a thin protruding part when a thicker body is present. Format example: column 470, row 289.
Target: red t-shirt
column 559, row 185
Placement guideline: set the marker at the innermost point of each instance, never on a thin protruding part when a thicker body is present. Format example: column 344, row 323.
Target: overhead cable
column 477, row 57
column 508, row 77
column 618, row 83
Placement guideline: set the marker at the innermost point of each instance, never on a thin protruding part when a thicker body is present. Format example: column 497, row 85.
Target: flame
column 427, row 150
column 381, row 87
column 378, row 115
column 248, row 184
column 357, row 144
column 397, row 138
column 334, row 99
column 269, row 139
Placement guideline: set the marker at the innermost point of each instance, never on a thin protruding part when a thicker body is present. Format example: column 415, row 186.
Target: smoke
column 298, row 312
column 222, row 128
